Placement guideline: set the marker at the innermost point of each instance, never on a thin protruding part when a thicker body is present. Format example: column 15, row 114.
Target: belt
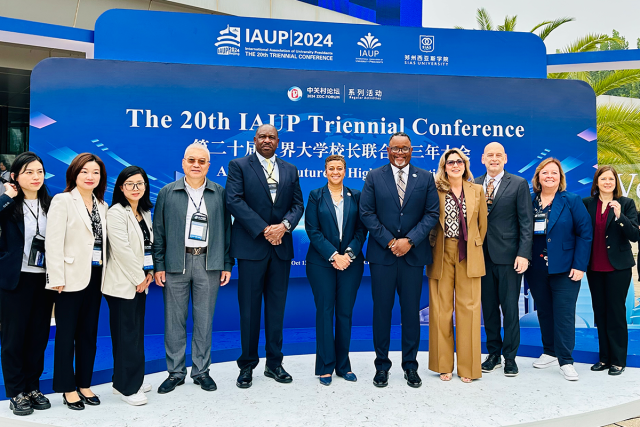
column 196, row 251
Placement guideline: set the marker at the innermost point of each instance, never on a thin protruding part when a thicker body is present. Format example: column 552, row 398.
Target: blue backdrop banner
column 147, row 113
column 273, row 43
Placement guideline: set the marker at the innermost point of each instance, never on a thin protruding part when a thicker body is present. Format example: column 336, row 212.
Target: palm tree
column 619, row 135
column 486, row 23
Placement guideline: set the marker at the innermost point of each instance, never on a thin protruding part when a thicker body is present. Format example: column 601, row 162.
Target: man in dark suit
column 399, row 205
column 507, row 251
column 264, row 197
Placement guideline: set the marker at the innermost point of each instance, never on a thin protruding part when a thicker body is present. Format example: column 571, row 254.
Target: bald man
column 507, row 252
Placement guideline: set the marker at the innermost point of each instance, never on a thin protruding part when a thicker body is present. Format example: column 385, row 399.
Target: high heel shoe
column 76, row 406
column 91, row 401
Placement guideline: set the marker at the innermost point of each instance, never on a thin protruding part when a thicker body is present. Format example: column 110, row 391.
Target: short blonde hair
column 442, row 180
column 535, row 182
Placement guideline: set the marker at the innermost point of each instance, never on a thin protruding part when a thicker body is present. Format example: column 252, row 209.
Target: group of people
column 476, row 238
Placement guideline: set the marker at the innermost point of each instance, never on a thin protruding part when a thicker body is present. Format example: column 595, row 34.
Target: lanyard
column 37, row 217
column 199, row 205
column 270, row 175
column 495, row 184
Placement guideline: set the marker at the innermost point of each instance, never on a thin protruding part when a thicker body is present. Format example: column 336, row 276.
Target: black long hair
column 17, row 167
column 144, row 204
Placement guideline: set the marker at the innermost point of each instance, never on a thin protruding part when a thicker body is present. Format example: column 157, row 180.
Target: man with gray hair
column 191, row 241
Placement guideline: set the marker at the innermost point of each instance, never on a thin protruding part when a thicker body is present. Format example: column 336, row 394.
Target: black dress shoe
column 38, row 400
column 205, row 382
column 491, row 363
column 20, row 405
column 510, row 368
column 381, row 379
column 412, row 377
column 170, row 384
column 278, row 374
column 600, row 367
column 91, row 401
column 615, row 370
column 76, row 406
column 245, row 379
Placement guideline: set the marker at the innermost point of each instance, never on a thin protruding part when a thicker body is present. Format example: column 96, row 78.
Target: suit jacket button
column 549, row 240
column 398, row 231
column 621, row 225
column 608, row 247
column 401, row 214
column 606, row 237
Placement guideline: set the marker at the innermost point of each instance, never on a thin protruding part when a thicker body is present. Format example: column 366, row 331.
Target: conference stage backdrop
column 147, row 113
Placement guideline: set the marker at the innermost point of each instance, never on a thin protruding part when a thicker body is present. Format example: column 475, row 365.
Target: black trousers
column 608, row 295
column 407, row 280
column 334, row 291
column 555, row 296
column 76, row 332
column 501, row 290
column 26, row 321
column 268, row 278
column 126, row 319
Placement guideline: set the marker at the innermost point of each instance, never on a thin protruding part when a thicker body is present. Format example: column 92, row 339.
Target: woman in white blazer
column 129, row 273
column 76, row 238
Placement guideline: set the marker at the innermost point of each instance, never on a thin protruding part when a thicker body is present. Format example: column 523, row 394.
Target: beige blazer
column 69, row 242
column 126, row 252
column 476, row 230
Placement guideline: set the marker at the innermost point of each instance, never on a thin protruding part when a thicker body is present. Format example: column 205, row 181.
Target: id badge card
column 96, row 259
column 148, row 258
column 36, row 255
column 540, row 223
column 198, row 227
column 273, row 189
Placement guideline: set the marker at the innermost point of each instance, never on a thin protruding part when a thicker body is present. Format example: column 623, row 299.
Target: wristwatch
column 411, row 242
column 287, row 225
column 349, row 252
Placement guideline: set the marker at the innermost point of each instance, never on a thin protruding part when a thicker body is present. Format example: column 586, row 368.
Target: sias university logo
column 294, row 93
column 426, row 43
column 229, row 41
column 369, row 43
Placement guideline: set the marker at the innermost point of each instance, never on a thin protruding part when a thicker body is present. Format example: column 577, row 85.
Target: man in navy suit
column 264, row 197
column 399, row 206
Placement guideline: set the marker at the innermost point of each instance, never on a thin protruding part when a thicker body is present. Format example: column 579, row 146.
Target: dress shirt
column 496, row 183
column 405, row 171
column 339, row 211
column 197, row 195
column 276, row 172
column 30, row 232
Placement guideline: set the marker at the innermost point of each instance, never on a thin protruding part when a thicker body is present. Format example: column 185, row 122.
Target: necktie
column 489, row 193
column 401, row 186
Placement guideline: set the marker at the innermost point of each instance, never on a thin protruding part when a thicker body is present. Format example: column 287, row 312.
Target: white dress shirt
column 405, row 171
column 275, row 174
column 496, row 183
column 30, row 232
column 197, row 194
column 339, row 207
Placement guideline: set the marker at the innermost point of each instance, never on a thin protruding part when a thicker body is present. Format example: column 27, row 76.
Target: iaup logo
column 426, row 43
column 294, row 93
column 369, row 43
column 229, row 41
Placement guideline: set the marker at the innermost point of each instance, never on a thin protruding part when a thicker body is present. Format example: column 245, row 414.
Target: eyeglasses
column 129, row 186
column 458, row 162
column 269, row 137
column 404, row 150
column 201, row 162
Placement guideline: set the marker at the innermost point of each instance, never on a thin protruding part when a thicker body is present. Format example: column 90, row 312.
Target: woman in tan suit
column 458, row 265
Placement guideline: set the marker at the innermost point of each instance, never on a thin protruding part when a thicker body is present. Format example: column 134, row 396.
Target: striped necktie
column 401, row 186
column 489, row 194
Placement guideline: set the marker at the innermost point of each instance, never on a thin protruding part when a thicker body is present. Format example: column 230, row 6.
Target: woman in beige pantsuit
column 458, row 265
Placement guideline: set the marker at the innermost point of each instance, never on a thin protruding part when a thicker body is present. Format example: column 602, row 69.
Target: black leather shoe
column 600, row 367
column 91, row 401
column 38, row 400
column 278, row 374
column 491, row 363
column 510, row 368
column 76, row 406
column 20, row 405
column 381, row 379
column 205, row 382
column 245, row 379
column 170, row 384
column 615, row 370
column 412, row 377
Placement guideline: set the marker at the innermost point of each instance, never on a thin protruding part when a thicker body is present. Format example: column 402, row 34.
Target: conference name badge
column 199, row 226
column 148, row 258
column 540, row 223
column 96, row 260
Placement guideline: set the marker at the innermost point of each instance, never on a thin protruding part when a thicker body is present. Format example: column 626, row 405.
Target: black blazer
column 510, row 221
column 619, row 234
column 11, row 244
column 321, row 225
column 250, row 203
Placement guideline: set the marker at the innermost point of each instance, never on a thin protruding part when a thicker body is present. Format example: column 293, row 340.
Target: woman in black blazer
column 615, row 226
column 26, row 304
column 335, row 264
